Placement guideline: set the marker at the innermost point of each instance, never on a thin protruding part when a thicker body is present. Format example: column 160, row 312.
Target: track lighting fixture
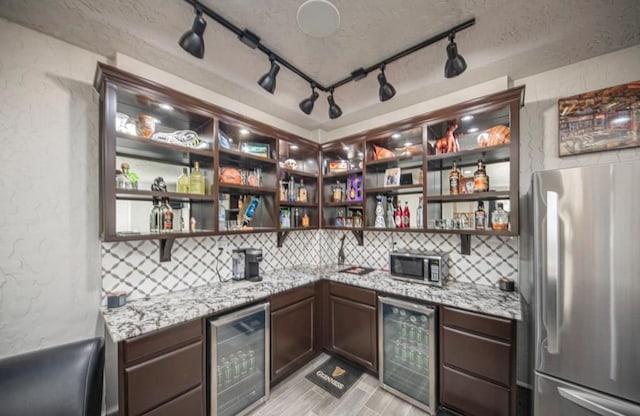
column 455, row 62
column 192, row 40
column 334, row 110
column 268, row 80
column 306, row 105
column 386, row 90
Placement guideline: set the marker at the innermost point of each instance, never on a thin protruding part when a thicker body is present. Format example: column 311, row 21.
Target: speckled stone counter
column 146, row 315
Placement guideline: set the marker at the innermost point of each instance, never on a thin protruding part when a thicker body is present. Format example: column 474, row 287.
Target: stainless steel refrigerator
column 587, row 291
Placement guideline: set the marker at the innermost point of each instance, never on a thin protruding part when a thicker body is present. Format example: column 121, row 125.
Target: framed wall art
column 606, row 119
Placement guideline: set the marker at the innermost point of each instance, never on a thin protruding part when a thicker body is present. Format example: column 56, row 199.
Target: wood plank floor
column 297, row 396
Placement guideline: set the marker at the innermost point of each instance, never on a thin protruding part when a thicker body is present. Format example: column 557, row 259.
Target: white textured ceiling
column 516, row 38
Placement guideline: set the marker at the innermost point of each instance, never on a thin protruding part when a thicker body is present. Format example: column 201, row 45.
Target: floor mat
column 335, row 376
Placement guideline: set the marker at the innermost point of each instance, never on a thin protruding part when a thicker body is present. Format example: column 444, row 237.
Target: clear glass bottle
column 500, row 218
column 130, row 184
column 480, row 178
column 154, row 217
column 122, row 180
column 166, row 216
column 183, row 182
column 292, row 190
column 337, row 192
column 391, row 212
column 340, row 219
column 454, row 180
column 419, row 214
column 379, row 223
column 283, row 191
column 302, row 192
column 480, row 217
column 196, row 180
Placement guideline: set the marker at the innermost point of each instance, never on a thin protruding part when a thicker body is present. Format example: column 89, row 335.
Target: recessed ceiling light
column 473, row 130
column 293, row 147
column 468, row 117
column 396, row 135
column 166, row 106
column 318, row 18
column 244, row 132
column 407, row 144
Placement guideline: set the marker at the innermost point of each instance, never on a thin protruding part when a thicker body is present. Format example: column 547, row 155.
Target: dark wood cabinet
column 293, row 330
column 353, row 330
column 163, row 372
column 477, row 357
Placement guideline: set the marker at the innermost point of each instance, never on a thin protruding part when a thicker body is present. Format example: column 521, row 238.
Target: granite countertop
column 142, row 316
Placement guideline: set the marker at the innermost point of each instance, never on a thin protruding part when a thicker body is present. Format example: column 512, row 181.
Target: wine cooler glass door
column 407, row 351
column 239, row 361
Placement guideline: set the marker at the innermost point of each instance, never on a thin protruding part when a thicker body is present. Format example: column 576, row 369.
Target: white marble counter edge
column 134, row 318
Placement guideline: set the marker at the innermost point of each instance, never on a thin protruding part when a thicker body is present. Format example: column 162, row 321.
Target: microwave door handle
column 552, row 273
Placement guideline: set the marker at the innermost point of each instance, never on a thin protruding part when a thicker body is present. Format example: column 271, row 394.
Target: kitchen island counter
column 143, row 316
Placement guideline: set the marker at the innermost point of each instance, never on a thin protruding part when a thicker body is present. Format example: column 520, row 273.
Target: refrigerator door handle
column 551, row 316
column 599, row 405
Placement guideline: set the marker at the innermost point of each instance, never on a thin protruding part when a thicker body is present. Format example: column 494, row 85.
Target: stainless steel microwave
column 418, row 266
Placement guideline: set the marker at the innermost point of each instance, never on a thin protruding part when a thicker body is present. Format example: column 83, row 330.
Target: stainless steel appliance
column 406, row 336
column 418, row 266
column 239, row 361
column 246, row 264
column 587, row 291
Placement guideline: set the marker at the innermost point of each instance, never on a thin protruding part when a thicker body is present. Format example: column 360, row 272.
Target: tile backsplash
column 134, row 267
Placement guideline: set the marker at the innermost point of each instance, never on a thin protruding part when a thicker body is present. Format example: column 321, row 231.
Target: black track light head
column 334, row 110
column 268, row 80
column 386, row 90
column 306, row 105
column 192, row 40
column 455, row 62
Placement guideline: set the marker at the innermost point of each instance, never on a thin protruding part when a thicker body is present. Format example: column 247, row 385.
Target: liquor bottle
column 292, row 191
column 398, row 217
column 391, row 212
column 500, row 219
column 419, row 214
column 406, row 216
column 337, row 192
column 340, row 219
column 379, row 223
column 302, row 192
column 154, row 217
column 183, row 182
column 167, row 216
column 480, row 217
column 248, row 215
column 285, row 221
column 196, row 180
column 480, row 179
column 305, row 220
column 296, row 218
column 122, row 180
column 283, row 191
column 454, row 180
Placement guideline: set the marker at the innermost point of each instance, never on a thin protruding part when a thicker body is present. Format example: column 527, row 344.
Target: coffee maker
column 246, row 264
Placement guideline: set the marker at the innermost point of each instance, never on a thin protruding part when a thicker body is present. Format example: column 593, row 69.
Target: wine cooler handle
column 551, row 316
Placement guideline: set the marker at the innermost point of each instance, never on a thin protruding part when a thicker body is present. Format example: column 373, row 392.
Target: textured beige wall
column 49, row 248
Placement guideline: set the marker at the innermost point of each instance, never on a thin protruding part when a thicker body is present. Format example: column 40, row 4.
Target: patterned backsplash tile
column 133, row 267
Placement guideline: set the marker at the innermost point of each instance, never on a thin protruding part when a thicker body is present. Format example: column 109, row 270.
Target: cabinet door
column 354, row 331
column 292, row 337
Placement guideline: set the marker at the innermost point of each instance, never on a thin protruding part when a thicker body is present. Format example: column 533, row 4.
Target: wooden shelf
column 127, row 236
column 147, row 147
column 338, row 175
column 142, row 195
column 509, row 233
column 228, row 188
column 402, row 160
column 476, row 196
column 333, row 227
column 286, row 230
column 400, row 230
column 400, row 189
column 237, row 158
column 294, row 172
column 298, row 204
column 350, row 204
column 493, row 154
column 253, row 230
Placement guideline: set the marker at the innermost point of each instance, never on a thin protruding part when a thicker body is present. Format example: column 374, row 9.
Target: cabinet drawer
column 366, row 296
column 155, row 381
column 189, row 404
column 163, row 340
column 290, row 297
column 481, row 356
column 473, row 396
column 475, row 322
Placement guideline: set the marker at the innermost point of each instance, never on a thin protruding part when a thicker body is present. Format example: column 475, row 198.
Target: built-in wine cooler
column 239, row 361
column 407, row 351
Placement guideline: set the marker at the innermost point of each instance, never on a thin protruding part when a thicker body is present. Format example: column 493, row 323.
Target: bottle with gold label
column 454, row 180
column 305, row 220
column 337, row 192
column 480, row 178
column 302, row 192
column 196, row 180
column 480, row 217
column 183, row 182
